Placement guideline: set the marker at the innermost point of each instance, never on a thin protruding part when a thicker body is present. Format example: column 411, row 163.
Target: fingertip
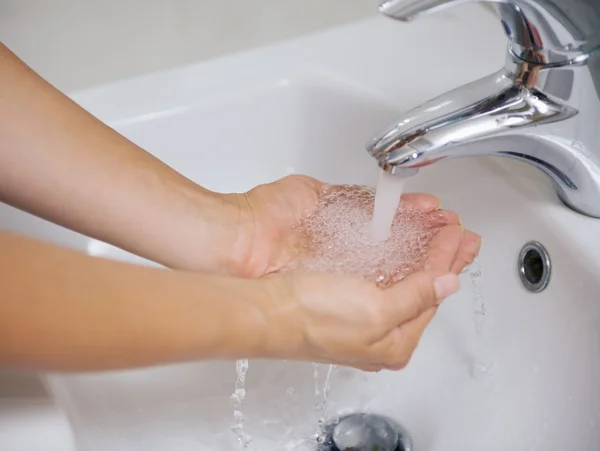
column 446, row 285
column 472, row 242
column 424, row 202
column 469, row 249
column 439, row 218
column 443, row 248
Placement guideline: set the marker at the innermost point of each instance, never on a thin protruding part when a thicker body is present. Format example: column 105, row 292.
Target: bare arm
column 59, row 162
column 66, row 311
column 62, row 310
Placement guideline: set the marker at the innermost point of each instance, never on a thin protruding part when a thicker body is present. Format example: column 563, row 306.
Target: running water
column 316, row 367
column 237, row 400
column 385, row 208
column 322, row 405
column 356, row 231
column 387, row 199
column 326, row 390
column 482, row 367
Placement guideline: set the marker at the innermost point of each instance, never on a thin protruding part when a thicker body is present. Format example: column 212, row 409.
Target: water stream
column 482, row 367
column 237, row 400
column 321, row 405
column 387, row 199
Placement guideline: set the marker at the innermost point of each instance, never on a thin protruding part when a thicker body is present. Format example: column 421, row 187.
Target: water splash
column 237, row 400
column 482, row 367
column 336, row 237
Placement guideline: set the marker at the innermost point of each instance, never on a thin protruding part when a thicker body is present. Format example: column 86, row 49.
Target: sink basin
column 307, row 106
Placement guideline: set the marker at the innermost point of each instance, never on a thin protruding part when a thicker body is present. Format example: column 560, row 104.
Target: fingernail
column 446, row 285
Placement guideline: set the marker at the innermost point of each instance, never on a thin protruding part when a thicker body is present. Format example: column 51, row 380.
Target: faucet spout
column 494, row 105
column 546, row 114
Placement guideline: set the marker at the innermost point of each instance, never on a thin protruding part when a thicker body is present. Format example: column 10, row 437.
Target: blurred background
column 75, row 44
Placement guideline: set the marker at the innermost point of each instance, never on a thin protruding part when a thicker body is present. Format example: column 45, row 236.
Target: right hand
column 349, row 321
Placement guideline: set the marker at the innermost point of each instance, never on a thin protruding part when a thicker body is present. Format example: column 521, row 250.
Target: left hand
column 266, row 241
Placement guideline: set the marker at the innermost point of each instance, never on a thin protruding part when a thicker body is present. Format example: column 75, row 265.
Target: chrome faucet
column 542, row 107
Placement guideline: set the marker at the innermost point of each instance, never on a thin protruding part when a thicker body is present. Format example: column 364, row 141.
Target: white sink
column 308, row 106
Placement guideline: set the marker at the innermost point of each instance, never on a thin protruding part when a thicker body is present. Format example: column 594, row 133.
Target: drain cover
column 365, row 432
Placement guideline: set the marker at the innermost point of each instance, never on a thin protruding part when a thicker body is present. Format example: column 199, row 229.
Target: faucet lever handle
column 540, row 31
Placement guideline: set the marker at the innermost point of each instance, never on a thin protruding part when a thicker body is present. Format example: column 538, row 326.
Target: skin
column 224, row 296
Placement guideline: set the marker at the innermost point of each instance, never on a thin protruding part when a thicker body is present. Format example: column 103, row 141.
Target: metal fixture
column 542, row 107
column 534, row 266
column 365, row 432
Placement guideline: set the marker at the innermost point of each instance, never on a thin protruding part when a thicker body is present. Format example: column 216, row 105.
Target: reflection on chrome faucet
column 542, row 107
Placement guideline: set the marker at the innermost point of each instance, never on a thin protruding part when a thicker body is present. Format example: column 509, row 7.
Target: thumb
column 417, row 293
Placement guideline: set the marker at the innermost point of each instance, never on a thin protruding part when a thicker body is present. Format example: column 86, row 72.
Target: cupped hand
column 349, row 321
column 267, row 241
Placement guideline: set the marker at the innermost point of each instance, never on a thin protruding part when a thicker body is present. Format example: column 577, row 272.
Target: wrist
column 237, row 258
column 283, row 335
column 259, row 318
column 243, row 325
column 199, row 232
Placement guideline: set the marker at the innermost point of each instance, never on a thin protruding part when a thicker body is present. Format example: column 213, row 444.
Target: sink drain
column 534, row 267
column 365, row 432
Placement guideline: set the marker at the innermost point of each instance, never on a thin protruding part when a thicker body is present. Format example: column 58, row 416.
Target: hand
column 349, row 321
column 266, row 241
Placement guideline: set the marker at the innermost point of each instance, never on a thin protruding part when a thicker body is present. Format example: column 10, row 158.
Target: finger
column 420, row 201
column 397, row 348
column 469, row 248
column 440, row 218
column 416, row 294
column 443, row 248
column 312, row 183
column 410, row 333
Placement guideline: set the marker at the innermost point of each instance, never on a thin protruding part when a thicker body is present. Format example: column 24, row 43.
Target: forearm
column 62, row 310
column 60, row 163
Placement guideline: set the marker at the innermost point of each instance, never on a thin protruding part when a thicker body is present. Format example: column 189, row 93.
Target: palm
column 268, row 242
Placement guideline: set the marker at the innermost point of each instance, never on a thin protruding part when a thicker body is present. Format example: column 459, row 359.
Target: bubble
column 336, row 237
